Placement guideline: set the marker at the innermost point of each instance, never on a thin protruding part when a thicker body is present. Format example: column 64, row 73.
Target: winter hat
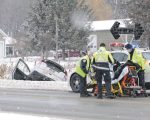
column 128, row 46
column 84, row 51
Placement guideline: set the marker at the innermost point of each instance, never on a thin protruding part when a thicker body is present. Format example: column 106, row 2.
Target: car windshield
column 120, row 57
column 146, row 55
column 54, row 66
column 23, row 67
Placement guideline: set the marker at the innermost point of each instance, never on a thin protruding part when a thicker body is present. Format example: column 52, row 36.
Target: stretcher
column 127, row 84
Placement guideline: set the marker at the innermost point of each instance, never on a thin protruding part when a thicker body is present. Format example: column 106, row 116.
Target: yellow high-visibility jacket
column 78, row 68
column 102, row 55
column 137, row 58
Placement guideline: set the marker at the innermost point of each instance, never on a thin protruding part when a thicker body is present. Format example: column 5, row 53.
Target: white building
column 2, row 44
column 6, row 45
column 9, row 42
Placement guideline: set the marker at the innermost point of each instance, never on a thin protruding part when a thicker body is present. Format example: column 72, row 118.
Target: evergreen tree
column 62, row 22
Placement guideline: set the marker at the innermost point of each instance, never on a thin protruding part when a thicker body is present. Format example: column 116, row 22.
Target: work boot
column 99, row 96
column 111, row 96
column 83, row 95
column 88, row 94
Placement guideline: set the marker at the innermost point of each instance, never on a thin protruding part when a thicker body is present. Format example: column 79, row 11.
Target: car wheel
column 75, row 83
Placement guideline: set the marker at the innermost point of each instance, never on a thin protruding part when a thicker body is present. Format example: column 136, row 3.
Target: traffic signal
column 114, row 30
column 138, row 31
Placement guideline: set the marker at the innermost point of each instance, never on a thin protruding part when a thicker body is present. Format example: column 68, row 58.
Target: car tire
column 75, row 83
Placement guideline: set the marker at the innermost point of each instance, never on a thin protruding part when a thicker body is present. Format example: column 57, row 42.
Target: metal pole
column 56, row 36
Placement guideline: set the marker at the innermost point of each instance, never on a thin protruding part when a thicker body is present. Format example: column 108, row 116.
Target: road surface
column 68, row 105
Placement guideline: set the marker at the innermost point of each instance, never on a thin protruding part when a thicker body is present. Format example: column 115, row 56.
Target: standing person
column 101, row 59
column 82, row 69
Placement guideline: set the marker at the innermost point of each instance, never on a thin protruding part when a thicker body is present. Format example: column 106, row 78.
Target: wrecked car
column 45, row 70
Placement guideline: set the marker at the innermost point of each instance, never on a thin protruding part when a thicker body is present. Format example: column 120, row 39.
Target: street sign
column 116, row 30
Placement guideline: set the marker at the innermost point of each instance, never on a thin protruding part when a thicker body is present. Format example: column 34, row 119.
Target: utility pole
column 116, row 5
column 56, row 35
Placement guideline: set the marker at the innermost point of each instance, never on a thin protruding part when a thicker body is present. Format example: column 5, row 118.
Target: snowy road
column 70, row 106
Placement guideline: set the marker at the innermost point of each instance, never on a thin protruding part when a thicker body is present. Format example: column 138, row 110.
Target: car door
column 56, row 71
column 21, row 71
column 146, row 55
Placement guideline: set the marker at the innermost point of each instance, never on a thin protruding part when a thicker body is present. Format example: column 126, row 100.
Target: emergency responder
column 101, row 59
column 82, row 69
column 136, row 59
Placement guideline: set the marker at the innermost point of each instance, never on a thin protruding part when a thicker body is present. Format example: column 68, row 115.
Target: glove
column 118, row 63
column 129, row 61
column 93, row 69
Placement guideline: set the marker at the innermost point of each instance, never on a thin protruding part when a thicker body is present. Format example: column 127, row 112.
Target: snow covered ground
column 21, row 84
column 14, row 116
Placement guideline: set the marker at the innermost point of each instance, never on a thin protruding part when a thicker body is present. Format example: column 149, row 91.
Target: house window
column 9, row 51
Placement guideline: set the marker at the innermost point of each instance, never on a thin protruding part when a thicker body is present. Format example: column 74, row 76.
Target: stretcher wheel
column 119, row 94
column 146, row 95
column 133, row 94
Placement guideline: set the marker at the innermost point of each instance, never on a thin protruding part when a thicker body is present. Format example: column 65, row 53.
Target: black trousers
column 107, row 78
column 141, row 78
column 82, row 86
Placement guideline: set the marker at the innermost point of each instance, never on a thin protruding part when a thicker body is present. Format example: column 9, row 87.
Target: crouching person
column 82, row 69
column 136, row 59
column 101, row 59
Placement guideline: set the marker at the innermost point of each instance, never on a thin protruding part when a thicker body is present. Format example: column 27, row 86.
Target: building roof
column 9, row 40
column 107, row 24
column 3, row 34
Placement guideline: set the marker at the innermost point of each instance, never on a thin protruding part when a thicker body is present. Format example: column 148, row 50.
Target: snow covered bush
column 4, row 71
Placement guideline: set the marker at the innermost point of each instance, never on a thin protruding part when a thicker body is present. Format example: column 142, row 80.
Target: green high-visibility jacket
column 137, row 58
column 78, row 68
column 102, row 55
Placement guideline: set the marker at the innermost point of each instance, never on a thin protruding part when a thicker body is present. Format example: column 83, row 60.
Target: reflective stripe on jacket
column 78, row 68
column 102, row 55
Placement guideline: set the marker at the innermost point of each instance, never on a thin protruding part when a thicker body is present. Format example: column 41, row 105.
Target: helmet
column 128, row 46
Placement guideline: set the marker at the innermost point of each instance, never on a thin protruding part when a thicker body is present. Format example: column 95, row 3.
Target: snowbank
column 48, row 85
